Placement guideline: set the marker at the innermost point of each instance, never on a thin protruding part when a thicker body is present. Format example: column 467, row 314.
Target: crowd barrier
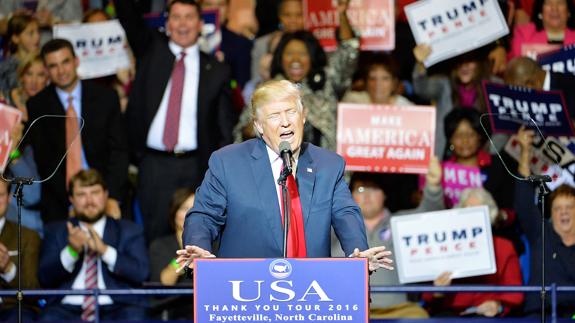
column 552, row 291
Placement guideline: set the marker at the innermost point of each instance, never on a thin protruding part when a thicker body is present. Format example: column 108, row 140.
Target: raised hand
column 377, row 257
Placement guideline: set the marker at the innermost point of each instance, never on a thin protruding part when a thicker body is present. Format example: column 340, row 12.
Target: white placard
column 456, row 240
column 100, row 46
column 454, row 27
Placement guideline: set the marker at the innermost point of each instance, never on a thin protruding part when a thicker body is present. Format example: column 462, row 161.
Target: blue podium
column 281, row 290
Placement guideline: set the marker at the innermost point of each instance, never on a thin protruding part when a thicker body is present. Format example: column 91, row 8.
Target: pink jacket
column 528, row 34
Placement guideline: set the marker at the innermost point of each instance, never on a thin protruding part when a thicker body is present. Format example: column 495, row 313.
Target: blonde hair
column 484, row 197
column 274, row 91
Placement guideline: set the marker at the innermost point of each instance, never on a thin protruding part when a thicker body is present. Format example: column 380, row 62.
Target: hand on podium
column 187, row 255
column 376, row 258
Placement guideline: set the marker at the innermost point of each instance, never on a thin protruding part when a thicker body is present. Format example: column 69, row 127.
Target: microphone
column 539, row 178
column 285, row 153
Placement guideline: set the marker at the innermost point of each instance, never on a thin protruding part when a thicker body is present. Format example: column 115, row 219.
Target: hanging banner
column 559, row 61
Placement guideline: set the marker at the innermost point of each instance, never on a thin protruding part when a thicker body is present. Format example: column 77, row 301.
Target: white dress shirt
column 276, row 163
column 76, row 95
column 187, row 135
column 109, row 258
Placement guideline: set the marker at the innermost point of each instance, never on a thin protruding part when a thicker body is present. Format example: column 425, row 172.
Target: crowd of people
column 118, row 182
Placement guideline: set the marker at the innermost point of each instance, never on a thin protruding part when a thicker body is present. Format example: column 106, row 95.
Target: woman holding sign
column 552, row 26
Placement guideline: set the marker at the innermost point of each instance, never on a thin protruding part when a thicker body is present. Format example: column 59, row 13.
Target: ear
column 259, row 127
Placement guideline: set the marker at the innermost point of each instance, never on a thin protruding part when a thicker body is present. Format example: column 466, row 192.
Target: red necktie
column 172, row 125
column 91, row 282
column 74, row 157
column 296, row 247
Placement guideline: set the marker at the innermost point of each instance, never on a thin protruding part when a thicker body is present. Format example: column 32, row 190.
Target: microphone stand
column 19, row 194
column 542, row 190
column 286, row 206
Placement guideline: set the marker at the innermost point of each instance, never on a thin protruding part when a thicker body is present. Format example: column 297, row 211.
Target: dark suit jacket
column 132, row 265
column 103, row 140
column 215, row 115
column 237, row 204
column 30, row 251
column 566, row 84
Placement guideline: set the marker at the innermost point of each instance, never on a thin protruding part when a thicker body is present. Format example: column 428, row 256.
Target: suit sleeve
column 51, row 272
column 204, row 221
column 346, row 216
column 227, row 116
column 117, row 165
column 132, row 264
column 137, row 31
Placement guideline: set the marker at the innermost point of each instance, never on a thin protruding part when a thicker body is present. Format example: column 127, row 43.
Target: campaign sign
column 454, row 27
column 281, row 290
column 457, row 178
column 550, row 156
column 101, row 47
column 386, row 139
column 9, row 118
column 534, row 50
column 510, row 107
column 456, row 240
column 374, row 20
column 559, row 61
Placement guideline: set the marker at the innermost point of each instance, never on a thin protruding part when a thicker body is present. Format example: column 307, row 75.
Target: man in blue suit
column 238, row 203
column 119, row 249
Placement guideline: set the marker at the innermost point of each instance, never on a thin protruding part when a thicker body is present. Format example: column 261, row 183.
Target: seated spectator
column 300, row 58
column 508, row 273
column 525, row 72
column 559, row 241
column 367, row 191
column 466, row 139
column 461, row 88
column 163, row 263
column 552, row 23
column 93, row 250
column 9, row 261
column 381, row 79
column 23, row 39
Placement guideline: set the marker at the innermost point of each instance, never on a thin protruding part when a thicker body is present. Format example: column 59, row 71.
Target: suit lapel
column 305, row 179
column 266, row 189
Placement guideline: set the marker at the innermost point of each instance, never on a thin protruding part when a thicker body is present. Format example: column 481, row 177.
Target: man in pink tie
column 180, row 107
column 239, row 202
column 93, row 250
column 101, row 144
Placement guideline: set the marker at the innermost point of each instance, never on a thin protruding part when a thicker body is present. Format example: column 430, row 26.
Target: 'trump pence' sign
column 456, row 240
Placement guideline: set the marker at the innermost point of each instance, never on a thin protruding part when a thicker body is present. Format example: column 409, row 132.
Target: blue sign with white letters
column 559, row 61
column 510, row 107
column 281, row 290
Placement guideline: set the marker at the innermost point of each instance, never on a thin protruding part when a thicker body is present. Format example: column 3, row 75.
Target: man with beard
column 90, row 251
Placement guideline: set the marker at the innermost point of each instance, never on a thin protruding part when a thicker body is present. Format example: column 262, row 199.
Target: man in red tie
column 180, row 107
column 239, row 202
column 91, row 251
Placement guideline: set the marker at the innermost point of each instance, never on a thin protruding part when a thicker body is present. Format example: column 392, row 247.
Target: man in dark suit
column 523, row 71
column 93, row 250
column 238, row 204
column 102, row 143
column 180, row 107
column 9, row 261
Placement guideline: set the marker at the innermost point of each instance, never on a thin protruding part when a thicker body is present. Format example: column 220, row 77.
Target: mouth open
column 286, row 135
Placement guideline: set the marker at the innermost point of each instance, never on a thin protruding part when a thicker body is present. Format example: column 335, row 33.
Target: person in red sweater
column 508, row 273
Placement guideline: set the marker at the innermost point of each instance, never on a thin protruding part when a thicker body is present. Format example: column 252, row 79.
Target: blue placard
column 559, row 61
column 281, row 290
column 510, row 107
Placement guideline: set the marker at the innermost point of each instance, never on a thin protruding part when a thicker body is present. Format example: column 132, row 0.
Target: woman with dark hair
column 465, row 146
column 381, row 78
column 552, row 22
column 163, row 265
column 299, row 58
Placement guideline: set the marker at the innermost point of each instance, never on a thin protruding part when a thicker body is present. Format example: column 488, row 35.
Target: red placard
column 9, row 118
column 373, row 19
column 386, row 139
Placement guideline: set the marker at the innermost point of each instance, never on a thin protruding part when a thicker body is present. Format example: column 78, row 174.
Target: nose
column 284, row 119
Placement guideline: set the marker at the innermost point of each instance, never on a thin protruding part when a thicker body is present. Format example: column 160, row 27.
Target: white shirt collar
column 98, row 226
column 2, row 222
column 547, row 81
column 191, row 52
